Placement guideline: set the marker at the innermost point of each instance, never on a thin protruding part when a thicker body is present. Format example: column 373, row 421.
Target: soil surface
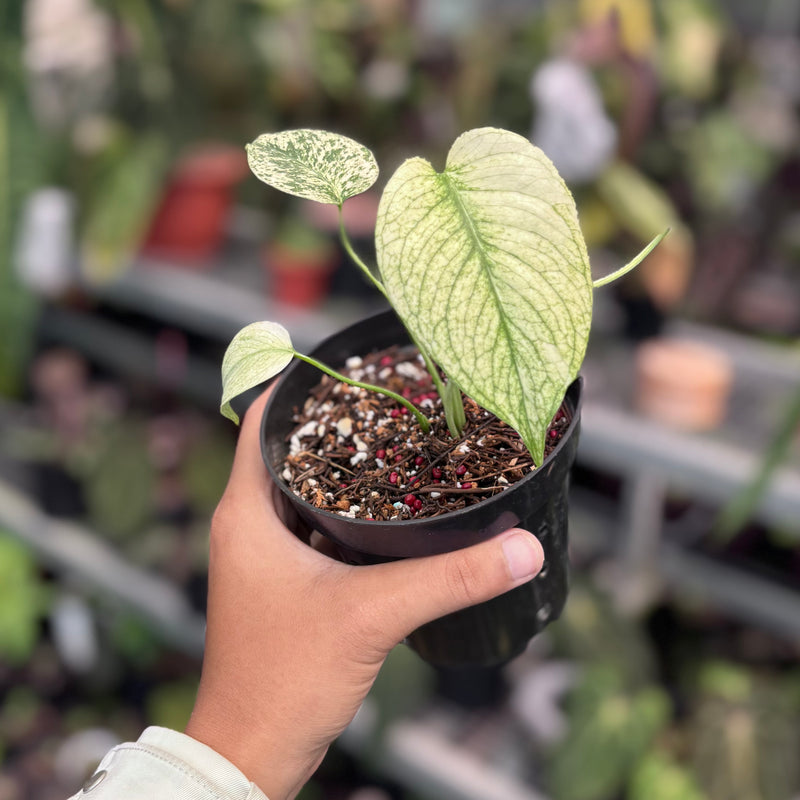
column 361, row 454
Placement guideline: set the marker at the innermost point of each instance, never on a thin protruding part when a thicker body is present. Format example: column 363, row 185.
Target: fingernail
column 524, row 555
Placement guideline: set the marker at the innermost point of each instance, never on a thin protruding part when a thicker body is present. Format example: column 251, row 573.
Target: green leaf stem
column 486, row 265
column 632, row 264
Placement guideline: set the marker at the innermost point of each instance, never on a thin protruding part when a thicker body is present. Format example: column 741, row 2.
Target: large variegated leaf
column 315, row 165
column 257, row 353
column 486, row 265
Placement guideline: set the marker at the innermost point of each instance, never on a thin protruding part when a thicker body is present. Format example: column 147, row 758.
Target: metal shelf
column 428, row 762
column 654, row 462
column 619, row 441
column 751, row 598
column 78, row 553
column 218, row 301
column 120, row 350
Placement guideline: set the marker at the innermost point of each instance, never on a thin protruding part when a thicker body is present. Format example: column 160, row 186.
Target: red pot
column 190, row 222
column 299, row 279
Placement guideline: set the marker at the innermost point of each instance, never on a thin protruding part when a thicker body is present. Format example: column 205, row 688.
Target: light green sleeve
column 167, row 765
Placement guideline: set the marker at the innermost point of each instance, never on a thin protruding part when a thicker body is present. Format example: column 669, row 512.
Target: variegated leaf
column 487, row 267
column 312, row 164
column 257, row 353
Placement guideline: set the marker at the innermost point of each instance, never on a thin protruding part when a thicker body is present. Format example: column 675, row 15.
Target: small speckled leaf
column 315, row 165
column 486, row 265
column 257, row 353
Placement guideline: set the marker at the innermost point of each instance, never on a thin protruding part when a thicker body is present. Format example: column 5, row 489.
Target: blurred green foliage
column 744, row 733
column 20, row 170
column 611, row 728
column 23, row 601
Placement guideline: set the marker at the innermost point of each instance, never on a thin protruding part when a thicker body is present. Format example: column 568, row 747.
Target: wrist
column 268, row 761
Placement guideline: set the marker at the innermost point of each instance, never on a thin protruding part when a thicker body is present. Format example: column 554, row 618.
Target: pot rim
column 416, row 523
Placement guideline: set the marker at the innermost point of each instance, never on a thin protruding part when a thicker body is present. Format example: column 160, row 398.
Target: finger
column 406, row 594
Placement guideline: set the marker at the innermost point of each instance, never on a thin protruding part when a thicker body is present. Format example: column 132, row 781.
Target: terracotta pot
column 682, row 384
column 190, row 222
column 484, row 635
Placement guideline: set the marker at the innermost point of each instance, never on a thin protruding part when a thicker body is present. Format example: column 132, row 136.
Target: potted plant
column 190, row 221
column 458, row 417
column 299, row 261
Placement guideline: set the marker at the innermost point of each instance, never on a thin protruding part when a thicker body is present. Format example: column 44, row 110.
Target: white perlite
column 409, row 370
column 345, row 426
column 358, row 458
column 309, row 429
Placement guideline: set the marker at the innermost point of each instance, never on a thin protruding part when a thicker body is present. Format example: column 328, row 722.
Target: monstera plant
column 484, row 263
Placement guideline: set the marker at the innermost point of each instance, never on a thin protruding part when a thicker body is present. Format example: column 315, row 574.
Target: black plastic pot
column 484, row 635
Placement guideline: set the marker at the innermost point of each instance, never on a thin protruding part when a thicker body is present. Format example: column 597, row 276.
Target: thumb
column 408, row 593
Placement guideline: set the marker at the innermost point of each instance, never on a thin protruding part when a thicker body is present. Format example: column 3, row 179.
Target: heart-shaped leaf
column 257, row 353
column 487, row 267
column 315, row 165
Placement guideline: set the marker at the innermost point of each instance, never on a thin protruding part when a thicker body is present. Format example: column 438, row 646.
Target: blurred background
column 134, row 244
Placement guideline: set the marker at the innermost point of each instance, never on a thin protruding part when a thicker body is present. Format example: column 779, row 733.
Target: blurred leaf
column 634, row 18
column 724, row 163
column 136, row 641
column 23, row 601
column 592, row 631
column 206, row 469
column 658, row 777
column 609, row 731
column 742, row 507
column 745, row 734
column 20, row 173
column 693, row 39
column 120, row 485
column 122, row 207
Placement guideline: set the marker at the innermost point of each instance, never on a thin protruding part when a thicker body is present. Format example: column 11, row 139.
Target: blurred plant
column 119, row 480
column 725, row 164
column 610, row 729
column 302, row 244
column 745, row 733
column 638, row 205
column 206, row 467
column 659, row 777
column 19, row 173
column 693, row 36
column 23, row 601
column 21, row 715
column 591, row 631
column 742, row 507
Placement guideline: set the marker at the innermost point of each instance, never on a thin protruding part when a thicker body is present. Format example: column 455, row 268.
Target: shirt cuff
column 166, row 764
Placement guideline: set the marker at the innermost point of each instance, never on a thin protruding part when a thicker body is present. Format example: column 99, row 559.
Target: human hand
column 295, row 638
